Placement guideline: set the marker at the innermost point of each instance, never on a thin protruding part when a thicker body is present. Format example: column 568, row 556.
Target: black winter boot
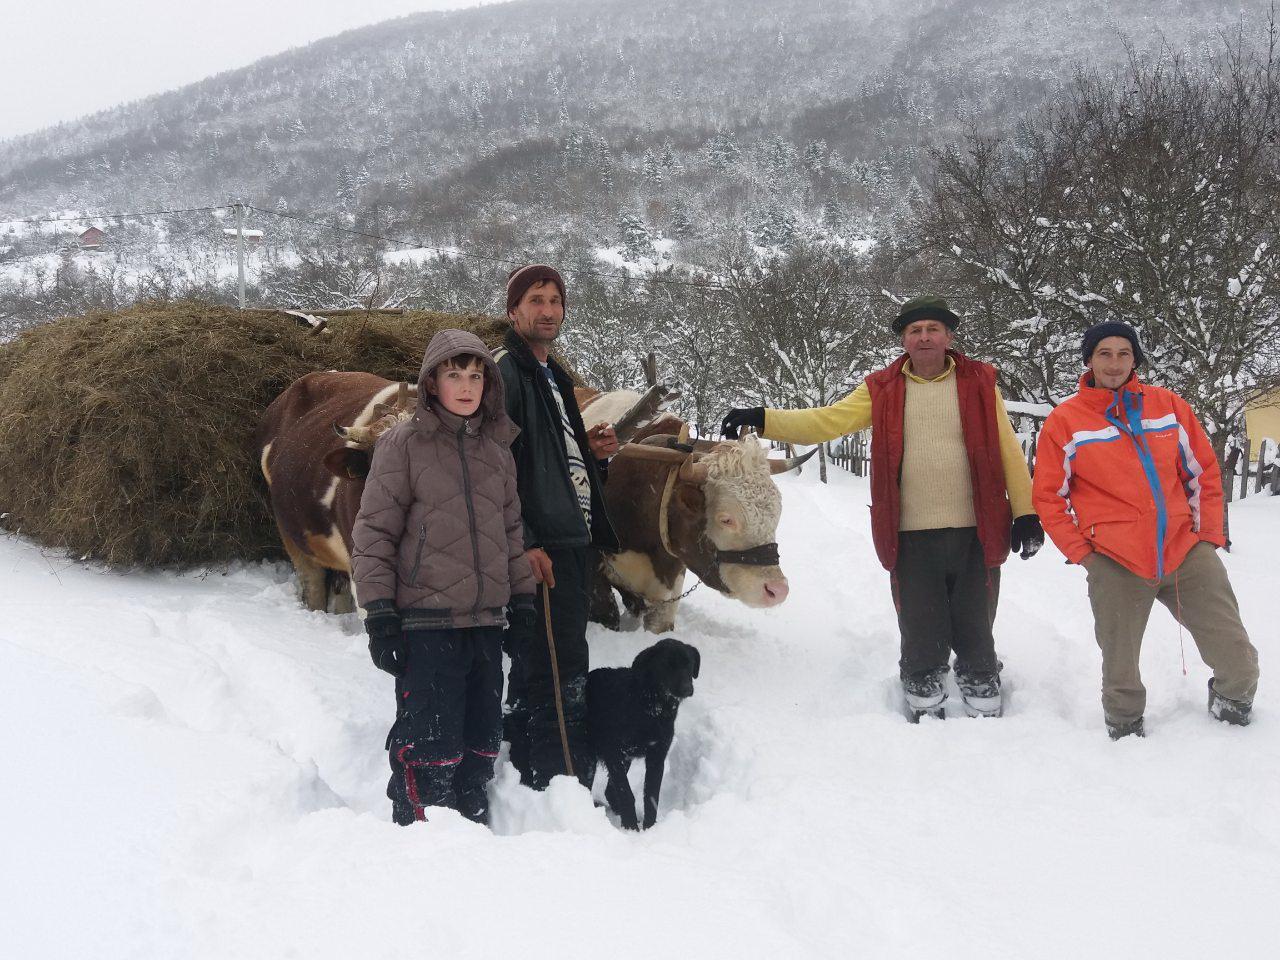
column 1235, row 712
column 471, row 798
column 1125, row 728
column 402, row 813
column 925, row 694
column 981, row 694
column 473, row 804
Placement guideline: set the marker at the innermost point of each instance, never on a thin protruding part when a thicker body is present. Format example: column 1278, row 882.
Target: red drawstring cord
column 1182, row 649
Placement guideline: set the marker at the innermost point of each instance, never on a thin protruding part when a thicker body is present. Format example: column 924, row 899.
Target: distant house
column 1262, row 419
column 92, row 239
column 252, row 236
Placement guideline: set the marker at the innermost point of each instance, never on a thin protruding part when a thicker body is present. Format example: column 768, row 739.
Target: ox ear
column 691, row 497
column 348, row 463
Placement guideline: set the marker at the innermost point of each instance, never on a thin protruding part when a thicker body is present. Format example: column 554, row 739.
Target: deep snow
column 195, row 769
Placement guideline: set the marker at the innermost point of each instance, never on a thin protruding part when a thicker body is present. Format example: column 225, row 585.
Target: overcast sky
column 65, row 58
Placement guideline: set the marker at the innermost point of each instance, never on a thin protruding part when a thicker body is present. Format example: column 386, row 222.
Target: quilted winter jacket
column 439, row 531
column 1129, row 473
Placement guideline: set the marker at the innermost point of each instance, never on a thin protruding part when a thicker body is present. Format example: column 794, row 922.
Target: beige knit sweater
column 937, row 488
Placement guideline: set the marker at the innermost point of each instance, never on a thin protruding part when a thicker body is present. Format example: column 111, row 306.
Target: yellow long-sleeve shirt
column 853, row 413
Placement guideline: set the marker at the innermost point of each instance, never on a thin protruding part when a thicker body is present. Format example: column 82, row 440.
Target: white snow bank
column 195, row 769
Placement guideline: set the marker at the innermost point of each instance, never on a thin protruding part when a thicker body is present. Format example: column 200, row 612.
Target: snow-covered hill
column 195, row 769
column 507, row 124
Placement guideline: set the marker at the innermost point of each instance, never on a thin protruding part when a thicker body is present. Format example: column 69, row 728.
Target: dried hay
column 128, row 437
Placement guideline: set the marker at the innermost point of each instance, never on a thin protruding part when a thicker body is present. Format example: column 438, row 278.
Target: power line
column 373, row 236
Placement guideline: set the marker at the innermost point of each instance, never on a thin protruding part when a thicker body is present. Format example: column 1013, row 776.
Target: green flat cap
column 922, row 308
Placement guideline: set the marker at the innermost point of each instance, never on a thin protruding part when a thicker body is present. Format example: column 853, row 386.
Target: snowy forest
column 745, row 188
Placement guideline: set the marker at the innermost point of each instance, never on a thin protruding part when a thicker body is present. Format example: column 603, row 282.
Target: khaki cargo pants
column 1199, row 595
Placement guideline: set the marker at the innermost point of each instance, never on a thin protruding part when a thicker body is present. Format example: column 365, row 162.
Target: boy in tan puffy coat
column 438, row 558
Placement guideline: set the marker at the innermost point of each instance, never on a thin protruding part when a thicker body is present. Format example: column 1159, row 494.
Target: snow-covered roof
column 1029, row 409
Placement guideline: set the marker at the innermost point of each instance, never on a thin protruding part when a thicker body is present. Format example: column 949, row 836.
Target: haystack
column 128, row 437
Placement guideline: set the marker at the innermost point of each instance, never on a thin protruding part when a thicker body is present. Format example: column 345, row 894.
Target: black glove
column 386, row 639
column 1027, row 536
column 740, row 417
column 522, row 619
column 522, row 625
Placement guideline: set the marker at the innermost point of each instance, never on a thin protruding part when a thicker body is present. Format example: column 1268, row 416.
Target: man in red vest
column 947, row 478
column 1129, row 488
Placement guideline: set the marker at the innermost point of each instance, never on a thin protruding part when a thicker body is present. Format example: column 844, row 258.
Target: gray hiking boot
column 1235, row 712
column 981, row 694
column 925, row 694
column 1119, row 729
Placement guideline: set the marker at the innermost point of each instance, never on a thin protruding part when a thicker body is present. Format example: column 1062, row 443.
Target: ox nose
column 775, row 591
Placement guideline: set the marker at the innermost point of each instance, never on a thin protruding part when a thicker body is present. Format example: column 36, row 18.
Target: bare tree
column 693, row 335
column 340, row 281
column 809, row 326
column 1151, row 201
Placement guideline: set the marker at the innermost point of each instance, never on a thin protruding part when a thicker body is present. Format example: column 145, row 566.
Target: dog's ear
column 644, row 661
column 695, row 658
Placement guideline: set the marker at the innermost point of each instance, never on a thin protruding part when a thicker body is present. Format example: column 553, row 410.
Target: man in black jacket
column 560, row 471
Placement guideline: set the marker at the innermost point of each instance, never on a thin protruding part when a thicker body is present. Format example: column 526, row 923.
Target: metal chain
column 655, row 603
column 696, row 585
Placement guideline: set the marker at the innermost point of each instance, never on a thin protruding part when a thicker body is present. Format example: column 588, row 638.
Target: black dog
column 631, row 713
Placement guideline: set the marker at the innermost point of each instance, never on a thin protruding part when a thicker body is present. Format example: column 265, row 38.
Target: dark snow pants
column 946, row 600
column 448, row 726
column 532, row 726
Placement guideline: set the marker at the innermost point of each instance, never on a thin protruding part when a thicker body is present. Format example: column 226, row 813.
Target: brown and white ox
column 315, row 441
column 719, row 519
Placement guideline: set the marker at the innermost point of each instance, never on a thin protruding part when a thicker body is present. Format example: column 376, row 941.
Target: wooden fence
column 853, row 452
column 1264, row 468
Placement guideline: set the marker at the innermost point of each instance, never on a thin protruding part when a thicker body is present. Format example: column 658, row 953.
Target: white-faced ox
column 712, row 508
column 315, row 441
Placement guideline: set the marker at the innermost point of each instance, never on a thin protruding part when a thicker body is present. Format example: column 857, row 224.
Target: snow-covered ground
column 194, row 769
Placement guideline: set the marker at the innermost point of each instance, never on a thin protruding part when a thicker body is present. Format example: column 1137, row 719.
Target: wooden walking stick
column 555, row 679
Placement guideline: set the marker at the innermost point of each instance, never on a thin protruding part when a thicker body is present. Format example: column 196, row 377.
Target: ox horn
column 694, row 470
column 360, row 436
column 645, row 451
column 790, row 463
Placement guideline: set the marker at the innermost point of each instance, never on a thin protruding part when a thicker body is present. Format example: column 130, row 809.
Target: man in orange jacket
column 1127, row 485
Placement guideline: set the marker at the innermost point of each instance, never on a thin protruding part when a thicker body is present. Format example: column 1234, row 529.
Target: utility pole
column 240, row 249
